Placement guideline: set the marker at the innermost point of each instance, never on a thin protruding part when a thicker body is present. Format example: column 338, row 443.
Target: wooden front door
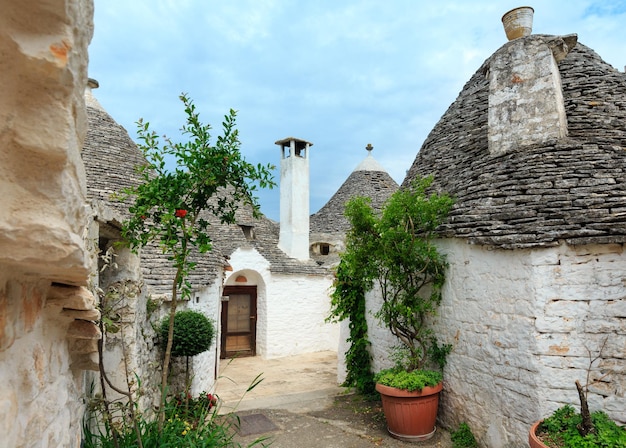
column 239, row 321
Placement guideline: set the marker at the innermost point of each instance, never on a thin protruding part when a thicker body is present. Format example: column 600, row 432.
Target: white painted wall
column 297, row 307
column 206, row 365
column 291, row 309
column 521, row 323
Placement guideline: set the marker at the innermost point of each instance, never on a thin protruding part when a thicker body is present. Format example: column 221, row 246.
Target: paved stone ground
column 299, row 405
column 348, row 423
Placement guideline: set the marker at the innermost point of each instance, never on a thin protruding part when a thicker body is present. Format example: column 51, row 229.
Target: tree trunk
column 168, row 351
column 586, row 427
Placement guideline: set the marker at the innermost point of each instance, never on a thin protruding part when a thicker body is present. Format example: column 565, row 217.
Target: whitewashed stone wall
column 42, row 125
column 205, row 365
column 522, row 324
column 291, row 308
column 297, row 308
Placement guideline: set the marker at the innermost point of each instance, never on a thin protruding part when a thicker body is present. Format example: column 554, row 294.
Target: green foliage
column 193, row 333
column 463, row 437
column 151, row 306
column 411, row 381
column 396, row 251
column 348, row 302
column 168, row 205
column 191, row 422
column 561, row 430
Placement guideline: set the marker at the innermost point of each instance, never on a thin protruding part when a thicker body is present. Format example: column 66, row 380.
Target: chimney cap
column 286, row 140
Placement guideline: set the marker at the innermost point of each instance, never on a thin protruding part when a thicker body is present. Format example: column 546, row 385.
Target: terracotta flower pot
column 518, row 22
column 532, row 438
column 410, row 416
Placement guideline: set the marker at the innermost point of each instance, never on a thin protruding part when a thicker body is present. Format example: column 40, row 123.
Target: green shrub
column 463, row 437
column 560, row 430
column 410, row 381
column 188, row 423
column 193, row 333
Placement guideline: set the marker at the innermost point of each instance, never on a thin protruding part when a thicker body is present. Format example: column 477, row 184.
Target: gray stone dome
column 369, row 179
column 569, row 189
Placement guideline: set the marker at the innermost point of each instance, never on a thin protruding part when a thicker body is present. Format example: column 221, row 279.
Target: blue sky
column 340, row 74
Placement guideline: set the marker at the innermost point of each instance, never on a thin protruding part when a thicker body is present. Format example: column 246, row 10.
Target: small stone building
column 534, row 151
column 329, row 225
column 259, row 285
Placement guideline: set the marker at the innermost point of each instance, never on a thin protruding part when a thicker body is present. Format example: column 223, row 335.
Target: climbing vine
column 348, row 302
column 353, row 279
column 395, row 250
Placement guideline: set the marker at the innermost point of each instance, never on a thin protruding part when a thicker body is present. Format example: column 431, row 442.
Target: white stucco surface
column 291, row 309
column 206, row 365
column 294, row 206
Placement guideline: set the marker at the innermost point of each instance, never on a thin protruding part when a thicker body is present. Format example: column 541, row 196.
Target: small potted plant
column 568, row 428
column 395, row 250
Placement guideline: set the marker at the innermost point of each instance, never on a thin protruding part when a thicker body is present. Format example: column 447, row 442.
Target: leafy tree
column 168, row 205
column 395, row 250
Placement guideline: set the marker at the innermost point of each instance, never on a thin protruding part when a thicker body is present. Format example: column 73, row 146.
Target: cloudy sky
column 340, row 74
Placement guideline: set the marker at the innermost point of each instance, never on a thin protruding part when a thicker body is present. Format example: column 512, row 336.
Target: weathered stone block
column 92, row 315
column 72, row 297
column 82, row 329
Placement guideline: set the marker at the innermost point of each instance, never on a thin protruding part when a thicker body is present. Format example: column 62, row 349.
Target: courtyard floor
column 299, row 404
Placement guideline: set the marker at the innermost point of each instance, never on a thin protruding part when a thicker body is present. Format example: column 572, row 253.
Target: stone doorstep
column 298, row 402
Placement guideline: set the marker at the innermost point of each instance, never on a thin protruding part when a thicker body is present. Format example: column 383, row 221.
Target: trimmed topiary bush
column 193, row 333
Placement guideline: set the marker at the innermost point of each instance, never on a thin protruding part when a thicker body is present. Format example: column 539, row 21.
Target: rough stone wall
column 525, row 96
column 45, row 313
column 521, row 324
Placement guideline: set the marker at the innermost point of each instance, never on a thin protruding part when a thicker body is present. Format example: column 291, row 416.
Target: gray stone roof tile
column 571, row 189
column 370, row 180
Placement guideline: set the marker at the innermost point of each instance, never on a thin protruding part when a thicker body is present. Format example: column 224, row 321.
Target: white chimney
column 294, row 197
column 525, row 95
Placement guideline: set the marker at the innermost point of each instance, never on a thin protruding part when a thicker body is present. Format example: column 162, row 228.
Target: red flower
column 180, row 213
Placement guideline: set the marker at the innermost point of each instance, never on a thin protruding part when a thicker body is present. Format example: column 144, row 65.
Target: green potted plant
column 395, row 251
column 567, row 428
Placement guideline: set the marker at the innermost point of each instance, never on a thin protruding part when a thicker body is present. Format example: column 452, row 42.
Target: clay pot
column 410, row 416
column 518, row 22
column 532, row 438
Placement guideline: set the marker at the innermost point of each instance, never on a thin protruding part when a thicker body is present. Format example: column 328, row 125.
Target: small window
column 320, row 249
column 248, row 231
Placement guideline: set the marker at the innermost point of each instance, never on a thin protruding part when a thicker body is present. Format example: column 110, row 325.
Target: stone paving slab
column 297, row 401
column 296, row 430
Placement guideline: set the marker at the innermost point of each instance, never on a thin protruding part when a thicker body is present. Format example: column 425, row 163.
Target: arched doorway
column 239, row 321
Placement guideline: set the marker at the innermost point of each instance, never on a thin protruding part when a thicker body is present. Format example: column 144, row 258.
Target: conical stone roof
column 571, row 189
column 369, row 179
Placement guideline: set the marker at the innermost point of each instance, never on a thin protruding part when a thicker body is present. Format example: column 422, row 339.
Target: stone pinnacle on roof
column 369, row 163
column 370, row 180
